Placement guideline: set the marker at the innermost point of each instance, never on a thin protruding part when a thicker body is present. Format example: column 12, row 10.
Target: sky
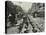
column 25, row 5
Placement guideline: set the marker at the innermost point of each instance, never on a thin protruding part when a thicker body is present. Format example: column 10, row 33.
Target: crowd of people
column 17, row 18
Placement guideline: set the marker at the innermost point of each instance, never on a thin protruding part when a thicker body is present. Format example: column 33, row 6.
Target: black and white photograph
column 24, row 17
